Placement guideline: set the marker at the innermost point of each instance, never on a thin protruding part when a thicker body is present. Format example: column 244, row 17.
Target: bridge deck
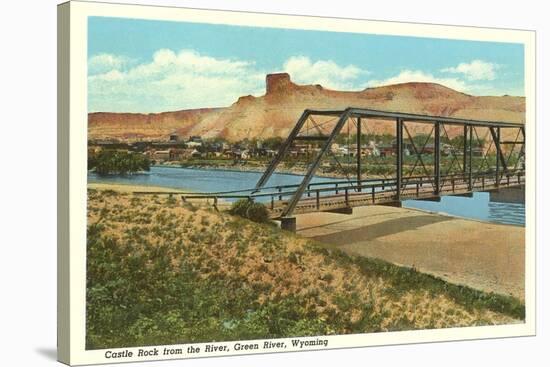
column 331, row 195
column 349, row 197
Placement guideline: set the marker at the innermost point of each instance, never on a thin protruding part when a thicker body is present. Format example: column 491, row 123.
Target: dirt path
column 485, row 256
column 129, row 189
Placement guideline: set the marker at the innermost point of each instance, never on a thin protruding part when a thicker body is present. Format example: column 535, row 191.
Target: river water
column 478, row 207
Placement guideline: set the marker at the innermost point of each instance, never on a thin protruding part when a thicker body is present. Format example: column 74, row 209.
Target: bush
column 257, row 212
column 245, row 208
column 240, row 207
column 117, row 162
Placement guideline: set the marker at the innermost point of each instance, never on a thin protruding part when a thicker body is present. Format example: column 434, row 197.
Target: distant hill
column 276, row 112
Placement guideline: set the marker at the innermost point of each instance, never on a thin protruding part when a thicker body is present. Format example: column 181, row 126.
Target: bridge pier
column 437, row 199
column 465, row 195
column 396, row 204
column 288, row 224
column 513, row 195
column 347, row 210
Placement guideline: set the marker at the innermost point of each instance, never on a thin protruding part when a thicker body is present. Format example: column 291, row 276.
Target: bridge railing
column 411, row 186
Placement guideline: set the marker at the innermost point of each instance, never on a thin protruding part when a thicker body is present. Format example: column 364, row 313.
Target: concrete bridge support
column 341, row 210
column 395, row 204
column 288, row 224
column 514, row 195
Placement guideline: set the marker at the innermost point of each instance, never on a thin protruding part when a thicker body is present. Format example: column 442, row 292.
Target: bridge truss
column 477, row 157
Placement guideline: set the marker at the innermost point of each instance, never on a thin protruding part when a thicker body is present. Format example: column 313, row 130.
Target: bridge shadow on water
column 371, row 232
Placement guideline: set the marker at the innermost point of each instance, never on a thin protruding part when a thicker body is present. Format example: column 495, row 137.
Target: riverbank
column 482, row 255
column 259, row 168
column 187, row 272
column 232, row 168
column 485, row 256
column 127, row 188
column 120, row 188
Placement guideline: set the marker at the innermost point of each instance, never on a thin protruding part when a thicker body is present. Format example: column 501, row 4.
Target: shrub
column 240, row 207
column 257, row 212
column 117, row 162
column 171, row 200
column 245, row 208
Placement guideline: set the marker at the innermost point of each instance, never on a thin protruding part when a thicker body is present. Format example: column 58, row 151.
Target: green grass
column 135, row 298
column 159, row 272
column 406, row 279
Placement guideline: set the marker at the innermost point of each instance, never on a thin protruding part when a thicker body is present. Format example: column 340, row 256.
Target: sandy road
column 485, row 256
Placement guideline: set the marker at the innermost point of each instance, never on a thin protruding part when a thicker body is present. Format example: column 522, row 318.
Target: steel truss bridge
column 470, row 168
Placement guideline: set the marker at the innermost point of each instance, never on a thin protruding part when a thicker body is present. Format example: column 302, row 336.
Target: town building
column 161, row 155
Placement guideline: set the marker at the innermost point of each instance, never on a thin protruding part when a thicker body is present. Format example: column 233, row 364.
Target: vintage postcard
column 236, row 183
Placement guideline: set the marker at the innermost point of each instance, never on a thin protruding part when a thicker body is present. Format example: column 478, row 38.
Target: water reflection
column 479, row 207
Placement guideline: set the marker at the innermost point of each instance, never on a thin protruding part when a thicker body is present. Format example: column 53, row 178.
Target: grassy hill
column 163, row 272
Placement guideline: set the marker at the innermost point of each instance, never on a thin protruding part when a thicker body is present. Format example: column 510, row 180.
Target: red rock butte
column 276, row 112
column 279, row 82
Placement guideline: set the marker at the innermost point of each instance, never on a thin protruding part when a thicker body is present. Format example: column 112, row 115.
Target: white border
column 78, row 143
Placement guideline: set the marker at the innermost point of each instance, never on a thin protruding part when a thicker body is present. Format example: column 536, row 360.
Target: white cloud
column 173, row 81
column 186, row 79
column 111, row 75
column 465, row 85
column 475, row 70
column 324, row 72
column 102, row 63
column 406, row 76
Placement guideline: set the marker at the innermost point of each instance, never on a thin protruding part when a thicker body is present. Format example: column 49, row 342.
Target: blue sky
column 153, row 66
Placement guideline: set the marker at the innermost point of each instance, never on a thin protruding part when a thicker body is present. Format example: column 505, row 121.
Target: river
column 479, row 207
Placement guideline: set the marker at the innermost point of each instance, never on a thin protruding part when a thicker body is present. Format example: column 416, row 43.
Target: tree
column 273, row 143
column 117, row 162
